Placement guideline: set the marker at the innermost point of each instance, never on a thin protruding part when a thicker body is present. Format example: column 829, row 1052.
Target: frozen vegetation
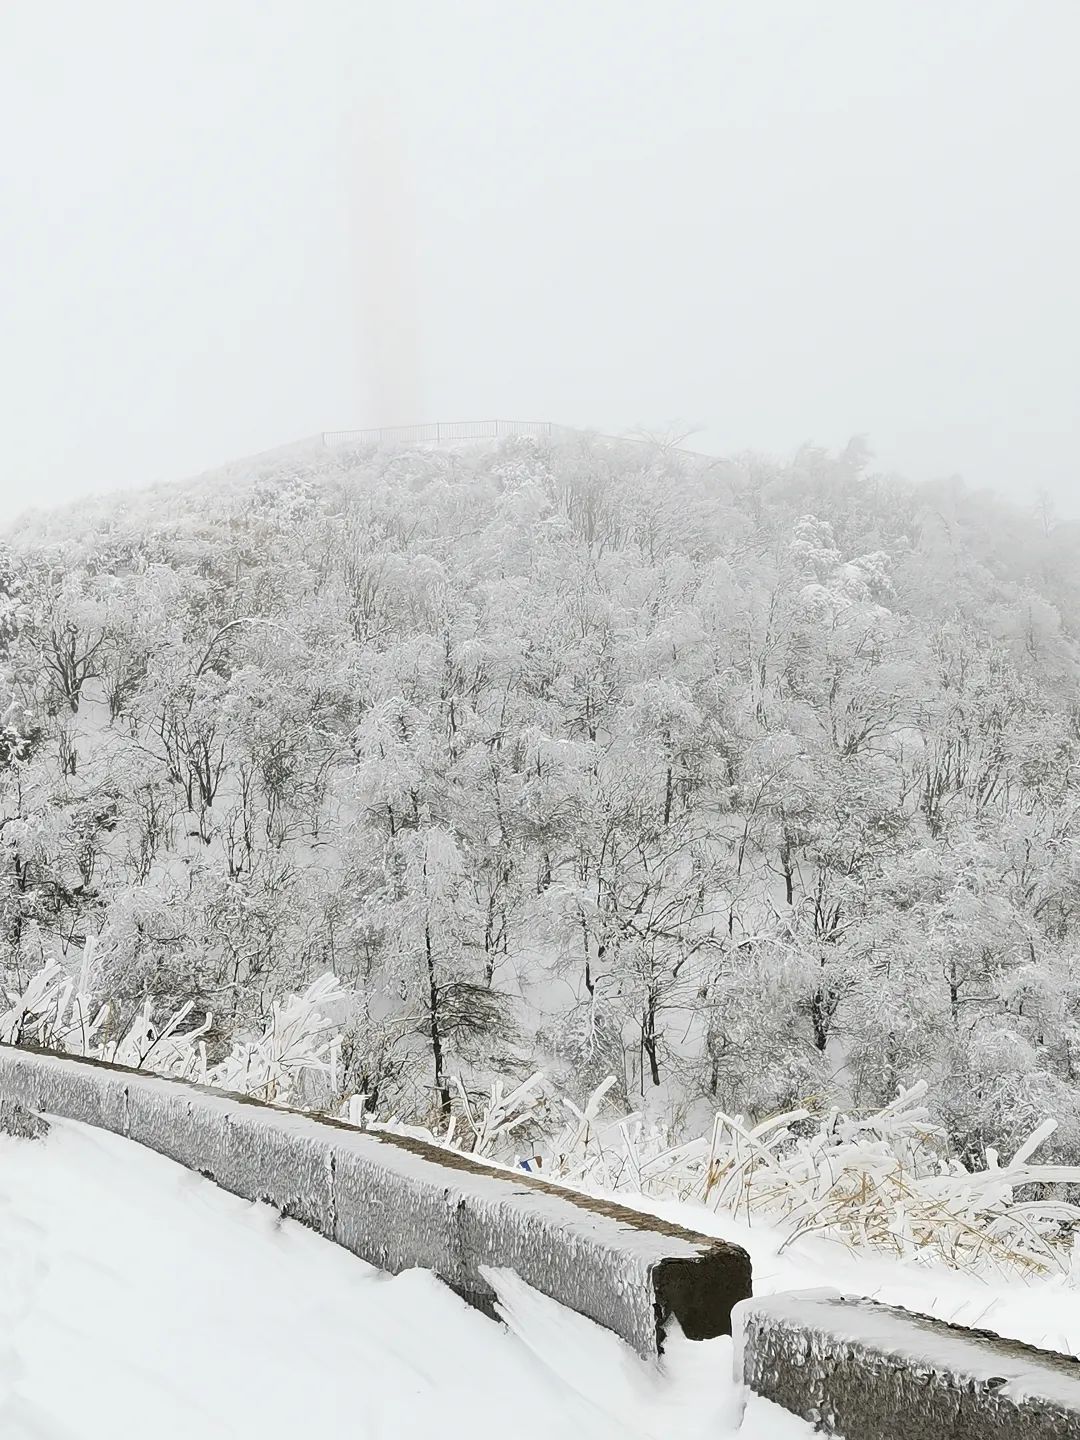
column 751, row 785
column 885, row 1181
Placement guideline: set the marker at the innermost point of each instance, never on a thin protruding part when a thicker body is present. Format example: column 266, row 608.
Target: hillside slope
column 746, row 782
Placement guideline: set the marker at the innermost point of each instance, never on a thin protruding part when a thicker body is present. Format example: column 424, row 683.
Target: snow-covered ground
column 137, row 1299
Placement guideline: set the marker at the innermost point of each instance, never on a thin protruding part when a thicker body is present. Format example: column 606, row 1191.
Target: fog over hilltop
column 226, row 227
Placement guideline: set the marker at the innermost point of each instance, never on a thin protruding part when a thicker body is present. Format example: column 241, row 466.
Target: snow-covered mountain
column 748, row 782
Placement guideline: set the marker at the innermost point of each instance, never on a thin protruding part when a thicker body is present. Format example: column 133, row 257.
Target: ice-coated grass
column 884, row 1182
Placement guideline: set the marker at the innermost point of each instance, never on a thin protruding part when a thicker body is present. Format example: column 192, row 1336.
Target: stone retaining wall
column 398, row 1202
column 851, row 1367
column 871, row 1372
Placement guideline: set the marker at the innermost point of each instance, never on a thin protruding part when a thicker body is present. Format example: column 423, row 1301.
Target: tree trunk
column 819, row 1018
column 442, row 1089
column 954, row 995
column 649, row 1038
column 786, row 868
column 822, row 1008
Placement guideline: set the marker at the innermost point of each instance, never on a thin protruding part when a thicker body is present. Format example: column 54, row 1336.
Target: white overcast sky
column 225, row 224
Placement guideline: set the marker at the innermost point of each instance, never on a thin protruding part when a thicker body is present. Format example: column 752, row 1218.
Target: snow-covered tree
column 741, row 781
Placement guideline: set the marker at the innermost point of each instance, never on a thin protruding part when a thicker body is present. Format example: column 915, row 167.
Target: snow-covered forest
column 753, row 784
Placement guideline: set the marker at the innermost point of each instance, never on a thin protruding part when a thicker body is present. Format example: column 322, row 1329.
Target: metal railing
column 443, row 432
column 449, row 432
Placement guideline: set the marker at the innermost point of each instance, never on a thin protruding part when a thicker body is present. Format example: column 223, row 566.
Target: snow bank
column 399, row 1202
column 863, row 1370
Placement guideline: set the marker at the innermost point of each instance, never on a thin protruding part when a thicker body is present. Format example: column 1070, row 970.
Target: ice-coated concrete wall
column 870, row 1372
column 399, row 1203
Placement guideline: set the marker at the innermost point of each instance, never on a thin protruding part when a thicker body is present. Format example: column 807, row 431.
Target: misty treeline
column 750, row 783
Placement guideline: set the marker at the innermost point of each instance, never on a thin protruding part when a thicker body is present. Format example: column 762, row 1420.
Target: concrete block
column 632, row 1273
column 400, row 1203
column 865, row 1371
column 253, row 1150
column 93, row 1093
